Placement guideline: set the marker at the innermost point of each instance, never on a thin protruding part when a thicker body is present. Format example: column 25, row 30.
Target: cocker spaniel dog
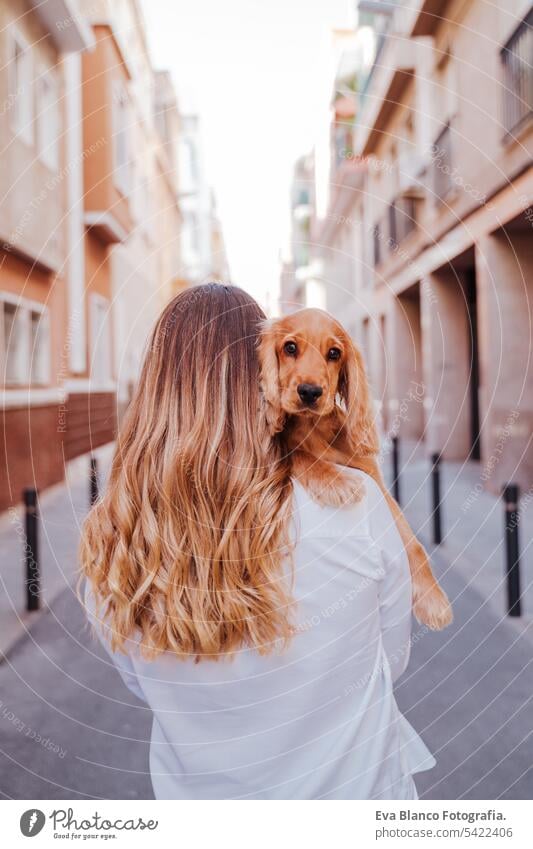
column 315, row 389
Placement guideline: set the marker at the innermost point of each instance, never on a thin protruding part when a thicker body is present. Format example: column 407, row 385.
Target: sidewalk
column 473, row 543
column 62, row 510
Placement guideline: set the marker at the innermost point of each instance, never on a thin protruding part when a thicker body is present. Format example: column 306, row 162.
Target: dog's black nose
column 309, row 392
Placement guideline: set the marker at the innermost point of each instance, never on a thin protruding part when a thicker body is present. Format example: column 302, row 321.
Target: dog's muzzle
column 309, row 393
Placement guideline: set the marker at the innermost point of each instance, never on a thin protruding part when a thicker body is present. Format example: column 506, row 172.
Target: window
column 367, row 242
column 162, row 122
column 149, row 212
column 376, row 233
column 192, row 160
column 516, row 58
column 402, row 219
column 393, row 162
column 121, row 140
column 100, row 339
column 357, row 252
column 25, row 342
column 391, row 215
column 190, row 237
column 365, row 341
column 138, row 197
column 40, row 348
column 21, row 88
column 48, row 119
column 443, row 165
column 14, row 362
column 136, row 205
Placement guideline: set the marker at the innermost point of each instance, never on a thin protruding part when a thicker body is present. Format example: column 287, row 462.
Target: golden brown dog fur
column 309, row 348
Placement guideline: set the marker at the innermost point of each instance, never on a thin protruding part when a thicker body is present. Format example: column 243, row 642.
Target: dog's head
column 308, row 362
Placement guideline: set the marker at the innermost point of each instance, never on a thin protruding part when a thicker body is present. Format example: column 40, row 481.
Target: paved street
column 69, row 728
column 58, row 684
column 62, row 510
column 468, row 692
column 472, row 524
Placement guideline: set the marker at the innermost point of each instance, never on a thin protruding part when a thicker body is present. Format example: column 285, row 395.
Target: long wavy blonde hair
column 188, row 546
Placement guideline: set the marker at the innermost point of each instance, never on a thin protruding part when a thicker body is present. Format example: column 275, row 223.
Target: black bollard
column 435, row 484
column 93, row 481
column 31, row 551
column 395, row 468
column 512, row 549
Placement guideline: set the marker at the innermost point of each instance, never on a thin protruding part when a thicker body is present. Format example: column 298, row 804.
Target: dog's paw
column 337, row 492
column 433, row 608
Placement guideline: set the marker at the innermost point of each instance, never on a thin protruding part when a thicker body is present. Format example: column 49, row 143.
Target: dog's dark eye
column 290, row 348
column 334, row 354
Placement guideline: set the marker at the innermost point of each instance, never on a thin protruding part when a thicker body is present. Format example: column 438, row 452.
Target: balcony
column 399, row 60
column 518, row 76
column 107, row 142
column 423, row 16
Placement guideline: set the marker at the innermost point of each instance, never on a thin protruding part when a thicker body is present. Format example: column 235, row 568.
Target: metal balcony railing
column 517, row 61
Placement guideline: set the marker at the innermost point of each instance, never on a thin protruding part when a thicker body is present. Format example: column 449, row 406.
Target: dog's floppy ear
column 270, row 388
column 354, row 390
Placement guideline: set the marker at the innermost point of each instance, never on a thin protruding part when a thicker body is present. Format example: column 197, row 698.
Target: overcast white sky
column 256, row 71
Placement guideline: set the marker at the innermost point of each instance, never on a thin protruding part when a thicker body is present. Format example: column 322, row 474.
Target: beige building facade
column 90, row 227
column 36, row 187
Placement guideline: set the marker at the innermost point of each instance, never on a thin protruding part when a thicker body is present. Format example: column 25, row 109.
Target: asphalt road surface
column 70, row 729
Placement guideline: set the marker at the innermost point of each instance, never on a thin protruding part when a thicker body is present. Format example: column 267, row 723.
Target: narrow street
column 219, row 221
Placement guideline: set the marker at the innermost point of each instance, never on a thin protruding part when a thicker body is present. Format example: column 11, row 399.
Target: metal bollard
column 31, row 551
column 93, row 480
column 511, row 495
column 395, row 468
column 435, row 484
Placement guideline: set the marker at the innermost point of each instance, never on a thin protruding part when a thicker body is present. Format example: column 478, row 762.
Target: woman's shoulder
column 351, row 519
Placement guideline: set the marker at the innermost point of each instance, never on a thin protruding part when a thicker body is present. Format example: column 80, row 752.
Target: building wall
column 136, row 270
column 23, row 463
column 505, row 274
column 406, row 378
column 432, row 132
column 33, row 203
column 89, row 238
column 90, row 421
column 105, row 79
column 32, row 254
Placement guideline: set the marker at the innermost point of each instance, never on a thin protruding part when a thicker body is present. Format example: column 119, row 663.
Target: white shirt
column 318, row 721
